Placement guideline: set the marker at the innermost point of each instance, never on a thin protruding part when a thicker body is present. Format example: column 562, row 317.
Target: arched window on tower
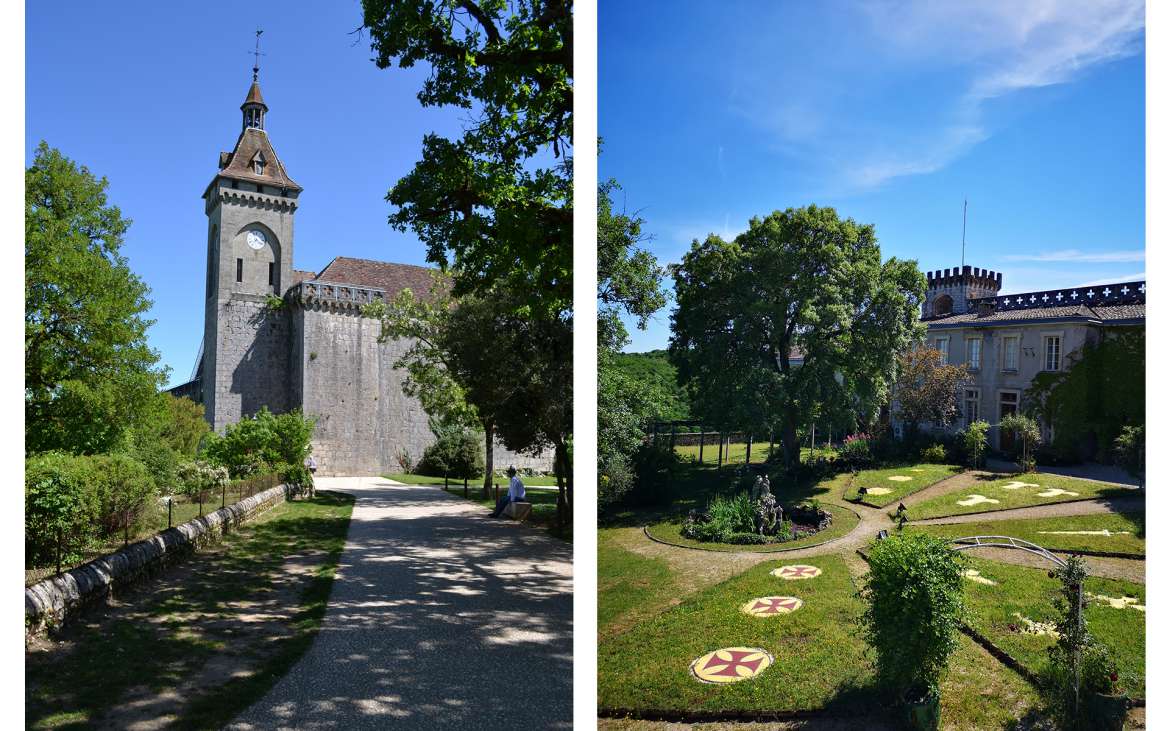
column 943, row 305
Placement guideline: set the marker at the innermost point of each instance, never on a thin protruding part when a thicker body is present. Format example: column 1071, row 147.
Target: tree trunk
column 560, row 468
column 790, row 441
column 489, row 467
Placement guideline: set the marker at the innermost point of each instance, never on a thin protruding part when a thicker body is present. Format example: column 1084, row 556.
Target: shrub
column 654, row 469
column 1026, row 433
column 297, row 476
column 253, row 445
column 975, row 441
column 914, row 608
column 856, row 451
column 197, row 479
column 406, row 464
column 60, row 508
column 457, row 453
column 1130, row 448
column 124, row 489
column 614, row 481
column 935, row 454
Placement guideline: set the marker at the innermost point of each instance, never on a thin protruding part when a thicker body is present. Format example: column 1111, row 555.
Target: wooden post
column 720, row 464
column 771, row 443
column 701, row 444
column 170, row 505
column 444, row 480
column 223, row 498
column 748, row 457
column 673, row 430
column 497, row 492
column 464, row 487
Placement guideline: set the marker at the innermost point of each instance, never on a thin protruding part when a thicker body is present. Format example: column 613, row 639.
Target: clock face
column 257, row 240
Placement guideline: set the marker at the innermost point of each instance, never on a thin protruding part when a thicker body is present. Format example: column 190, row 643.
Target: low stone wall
column 50, row 603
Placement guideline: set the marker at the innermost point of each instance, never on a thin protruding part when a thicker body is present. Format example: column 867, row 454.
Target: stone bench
column 518, row 511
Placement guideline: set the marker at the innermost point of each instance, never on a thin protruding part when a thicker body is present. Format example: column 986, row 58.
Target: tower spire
column 257, row 54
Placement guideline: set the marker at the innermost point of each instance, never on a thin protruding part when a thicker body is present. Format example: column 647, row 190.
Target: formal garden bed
column 843, row 521
column 891, row 484
column 997, row 492
column 1106, row 533
column 1012, row 607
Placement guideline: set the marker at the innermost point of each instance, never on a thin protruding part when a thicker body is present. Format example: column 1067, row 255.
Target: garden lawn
column 1127, row 532
column 1016, row 491
column 205, row 640
column 844, row 520
column 819, row 655
column 1030, row 592
column 920, row 477
column 736, row 452
column 629, row 586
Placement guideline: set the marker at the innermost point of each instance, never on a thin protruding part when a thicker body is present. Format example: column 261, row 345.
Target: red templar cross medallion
column 769, row 606
column 796, row 571
column 731, row 664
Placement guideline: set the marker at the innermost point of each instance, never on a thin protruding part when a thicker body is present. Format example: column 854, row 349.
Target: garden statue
column 769, row 514
column 761, row 488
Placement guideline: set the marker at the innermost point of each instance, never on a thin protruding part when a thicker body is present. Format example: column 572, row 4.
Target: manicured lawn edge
column 922, row 521
column 746, row 548
column 678, row 716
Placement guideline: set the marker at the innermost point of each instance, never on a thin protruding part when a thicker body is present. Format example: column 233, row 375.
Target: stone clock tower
column 250, row 205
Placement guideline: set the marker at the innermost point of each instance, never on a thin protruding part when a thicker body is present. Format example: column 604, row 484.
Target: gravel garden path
column 439, row 618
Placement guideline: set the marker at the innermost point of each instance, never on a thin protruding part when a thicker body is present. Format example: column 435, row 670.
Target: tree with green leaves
column 798, row 316
column 1025, row 432
column 88, row 371
column 975, row 441
column 927, row 388
column 496, row 204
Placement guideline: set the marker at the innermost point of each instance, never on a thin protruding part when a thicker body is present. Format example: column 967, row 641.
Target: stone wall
column 346, row 379
column 251, row 360
column 53, row 602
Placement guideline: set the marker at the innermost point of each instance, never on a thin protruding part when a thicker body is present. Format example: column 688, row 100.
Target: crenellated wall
column 950, row 291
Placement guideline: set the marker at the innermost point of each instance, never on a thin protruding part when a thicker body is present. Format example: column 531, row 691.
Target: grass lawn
column 1127, row 529
column 736, row 452
column 1016, row 491
column 1029, row 592
column 820, row 658
column 629, row 586
column 534, row 481
column 205, row 640
column 844, row 520
column 894, row 479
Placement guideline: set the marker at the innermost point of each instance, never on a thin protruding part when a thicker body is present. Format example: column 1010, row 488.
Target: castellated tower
column 250, row 205
column 950, row 291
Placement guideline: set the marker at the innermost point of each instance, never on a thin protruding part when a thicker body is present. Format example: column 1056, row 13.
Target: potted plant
column 914, row 608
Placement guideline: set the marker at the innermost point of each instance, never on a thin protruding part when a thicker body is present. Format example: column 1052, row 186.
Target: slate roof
column 238, row 165
column 254, row 96
column 393, row 278
column 1077, row 313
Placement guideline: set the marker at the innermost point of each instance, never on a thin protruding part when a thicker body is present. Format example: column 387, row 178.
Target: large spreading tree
column 89, row 374
column 796, row 318
column 494, row 205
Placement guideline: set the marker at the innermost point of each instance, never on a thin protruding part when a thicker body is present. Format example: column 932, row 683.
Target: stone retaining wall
column 50, row 603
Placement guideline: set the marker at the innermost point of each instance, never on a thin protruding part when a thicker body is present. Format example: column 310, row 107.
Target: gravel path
column 439, row 617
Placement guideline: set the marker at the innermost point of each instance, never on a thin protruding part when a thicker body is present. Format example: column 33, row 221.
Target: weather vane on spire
column 256, row 67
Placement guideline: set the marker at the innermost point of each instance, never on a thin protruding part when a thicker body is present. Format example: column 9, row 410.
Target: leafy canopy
column 88, row 370
column 495, row 204
column 927, row 389
column 795, row 319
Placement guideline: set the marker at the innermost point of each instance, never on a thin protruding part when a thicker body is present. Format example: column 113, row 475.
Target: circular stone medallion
column 770, row 606
column 731, row 665
column 899, row 478
column 796, row 571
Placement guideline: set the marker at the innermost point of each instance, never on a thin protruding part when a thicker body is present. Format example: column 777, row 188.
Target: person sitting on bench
column 515, row 493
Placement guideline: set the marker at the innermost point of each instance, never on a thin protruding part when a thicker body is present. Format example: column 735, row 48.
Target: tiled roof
column 393, row 278
column 299, row 276
column 1103, row 313
column 254, row 95
column 239, row 161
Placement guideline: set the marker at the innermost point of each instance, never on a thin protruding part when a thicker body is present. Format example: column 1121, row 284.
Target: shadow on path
column 439, row 617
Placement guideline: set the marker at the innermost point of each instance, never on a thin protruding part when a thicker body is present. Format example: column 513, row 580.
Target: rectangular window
column 239, row 270
column 974, row 352
column 1052, row 353
column 942, row 345
column 271, row 273
column 970, row 405
column 1011, row 353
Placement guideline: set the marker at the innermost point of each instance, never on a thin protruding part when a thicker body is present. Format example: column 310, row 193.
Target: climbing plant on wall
column 1102, row 391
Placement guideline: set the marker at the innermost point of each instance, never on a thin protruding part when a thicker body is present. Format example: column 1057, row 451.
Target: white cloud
column 986, row 49
column 1135, row 277
column 1076, row 255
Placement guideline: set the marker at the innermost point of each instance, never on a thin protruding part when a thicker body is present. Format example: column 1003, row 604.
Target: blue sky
column 891, row 112
column 148, row 94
